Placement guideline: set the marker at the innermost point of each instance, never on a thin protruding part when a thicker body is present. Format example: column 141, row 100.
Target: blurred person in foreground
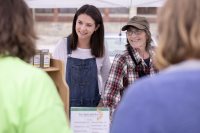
column 169, row 101
column 134, row 63
column 85, row 57
column 28, row 97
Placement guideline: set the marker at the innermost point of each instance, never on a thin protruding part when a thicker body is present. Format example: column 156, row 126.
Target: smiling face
column 137, row 38
column 85, row 26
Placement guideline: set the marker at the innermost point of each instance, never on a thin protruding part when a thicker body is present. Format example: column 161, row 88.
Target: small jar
column 45, row 58
column 37, row 59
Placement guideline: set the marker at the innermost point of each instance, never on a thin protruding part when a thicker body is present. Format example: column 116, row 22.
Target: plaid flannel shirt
column 123, row 72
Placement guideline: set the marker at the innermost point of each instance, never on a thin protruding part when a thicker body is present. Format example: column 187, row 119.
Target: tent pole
column 33, row 13
column 132, row 9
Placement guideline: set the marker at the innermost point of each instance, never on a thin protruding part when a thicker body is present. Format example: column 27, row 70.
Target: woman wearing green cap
column 169, row 101
column 134, row 63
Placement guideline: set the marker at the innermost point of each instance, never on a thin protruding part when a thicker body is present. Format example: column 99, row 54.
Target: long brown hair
column 97, row 39
column 179, row 32
column 17, row 35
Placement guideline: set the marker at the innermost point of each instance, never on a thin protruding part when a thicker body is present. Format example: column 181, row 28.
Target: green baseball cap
column 138, row 22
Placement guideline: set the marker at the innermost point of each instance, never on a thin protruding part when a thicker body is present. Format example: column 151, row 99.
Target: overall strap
column 68, row 46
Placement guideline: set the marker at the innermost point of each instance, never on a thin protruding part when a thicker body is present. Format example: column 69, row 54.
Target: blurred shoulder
column 21, row 71
column 122, row 57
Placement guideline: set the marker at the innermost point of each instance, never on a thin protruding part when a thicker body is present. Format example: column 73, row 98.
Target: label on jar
column 46, row 60
column 36, row 60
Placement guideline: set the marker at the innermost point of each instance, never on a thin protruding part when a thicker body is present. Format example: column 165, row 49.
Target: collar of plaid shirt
column 141, row 69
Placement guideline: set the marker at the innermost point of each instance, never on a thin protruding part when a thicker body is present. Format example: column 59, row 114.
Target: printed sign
column 90, row 120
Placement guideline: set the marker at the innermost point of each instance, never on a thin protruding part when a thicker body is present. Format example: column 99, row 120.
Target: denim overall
column 81, row 77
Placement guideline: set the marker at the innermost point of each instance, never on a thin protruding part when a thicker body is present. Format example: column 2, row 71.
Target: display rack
column 56, row 72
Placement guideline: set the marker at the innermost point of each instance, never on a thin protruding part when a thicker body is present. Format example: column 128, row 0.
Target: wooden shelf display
column 51, row 69
column 56, row 72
